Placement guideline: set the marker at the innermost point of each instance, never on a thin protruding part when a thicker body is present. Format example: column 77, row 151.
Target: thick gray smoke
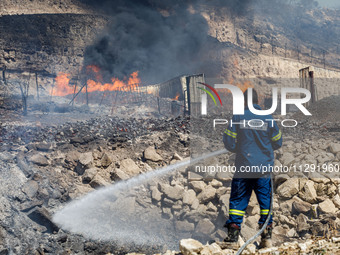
column 159, row 39
column 164, row 39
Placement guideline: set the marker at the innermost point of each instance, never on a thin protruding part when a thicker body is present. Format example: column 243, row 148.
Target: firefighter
column 254, row 143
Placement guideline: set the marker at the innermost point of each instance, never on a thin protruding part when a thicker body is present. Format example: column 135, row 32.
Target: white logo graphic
column 238, row 100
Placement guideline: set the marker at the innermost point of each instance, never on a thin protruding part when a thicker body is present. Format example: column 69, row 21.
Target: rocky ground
column 15, row 7
column 45, row 166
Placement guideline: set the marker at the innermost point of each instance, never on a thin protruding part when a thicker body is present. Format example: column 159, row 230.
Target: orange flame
column 62, row 83
column 62, row 87
column 176, row 97
column 93, row 68
column 131, row 84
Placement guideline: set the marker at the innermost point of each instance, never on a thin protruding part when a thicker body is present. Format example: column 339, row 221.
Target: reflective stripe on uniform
column 236, row 212
column 230, row 133
column 264, row 212
column 277, row 137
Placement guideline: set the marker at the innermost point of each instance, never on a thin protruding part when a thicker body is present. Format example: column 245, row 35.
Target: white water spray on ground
column 123, row 212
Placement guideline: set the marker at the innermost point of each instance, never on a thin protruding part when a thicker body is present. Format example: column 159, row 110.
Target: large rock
column 334, row 147
column 327, row 206
column 119, row 175
column 80, row 190
column 205, row 227
column 151, row 154
column 155, row 194
column 39, row 160
column 221, row 191
column 281, row 178
column 211, row 207
column 85, row 161
column 168, row 202
column 89, row 174
column 172, row 192
column 43, row 146
column 319, row 229
column 292, row 233
column 216, row 184
column 224, row 200
column 106, row 160
column 211, row 249
column 98, row 181
column 184, row 226
column 198, row 186
column 289, row 188
column 71, row 159
column 285, row 220
column 207, row 194
column 189, row 197
column 43, row 218
column 301, row 207
column 309, row 192
column 129, row 167
column 195, row 204
column 287, row 206
column 336, row 201
column 280, row 231
column 190, row 246
column 30, row 188
column 302, row 223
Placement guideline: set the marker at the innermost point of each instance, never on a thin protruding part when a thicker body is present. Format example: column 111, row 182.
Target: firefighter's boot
column 231, row 241
column 266, row 237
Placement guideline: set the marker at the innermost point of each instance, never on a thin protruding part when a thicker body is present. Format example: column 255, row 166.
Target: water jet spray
column 120, row 213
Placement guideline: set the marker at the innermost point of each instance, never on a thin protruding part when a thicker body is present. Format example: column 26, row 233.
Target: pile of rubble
column 192, row 247
column 44, row 167
column 100, row 128
column 323, row 122
column 306, row 204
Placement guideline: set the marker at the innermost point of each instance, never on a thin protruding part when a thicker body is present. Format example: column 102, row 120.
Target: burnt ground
column 39, row 155
column 51, row 158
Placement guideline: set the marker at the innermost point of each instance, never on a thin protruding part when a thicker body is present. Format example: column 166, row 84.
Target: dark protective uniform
column 254, row 143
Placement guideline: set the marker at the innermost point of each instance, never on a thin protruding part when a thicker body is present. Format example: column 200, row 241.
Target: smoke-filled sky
column 162, row 39
column 329, row 3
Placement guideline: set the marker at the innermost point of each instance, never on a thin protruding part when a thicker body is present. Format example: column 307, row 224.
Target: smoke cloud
column 160, row 39
column 164, row 39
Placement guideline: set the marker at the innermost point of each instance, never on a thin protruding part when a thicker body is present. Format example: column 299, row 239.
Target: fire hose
column 250, row 240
